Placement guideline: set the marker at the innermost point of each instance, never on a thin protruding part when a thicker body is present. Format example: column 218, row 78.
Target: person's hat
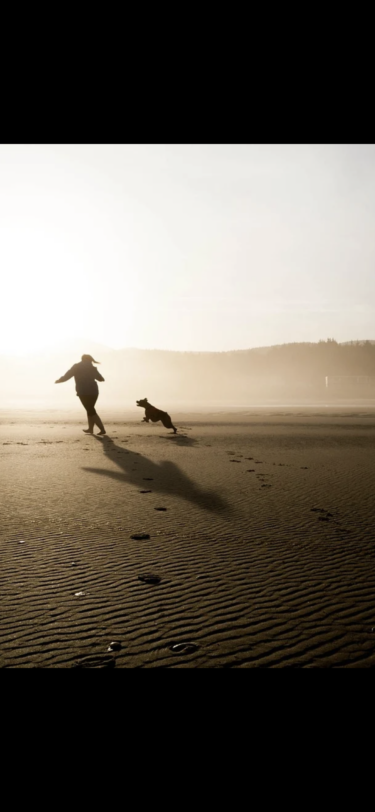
column 89, row 358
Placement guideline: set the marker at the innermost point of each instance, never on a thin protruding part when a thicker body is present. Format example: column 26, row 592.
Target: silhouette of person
column 86, row 375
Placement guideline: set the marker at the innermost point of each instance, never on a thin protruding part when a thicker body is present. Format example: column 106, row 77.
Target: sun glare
column 45, row 294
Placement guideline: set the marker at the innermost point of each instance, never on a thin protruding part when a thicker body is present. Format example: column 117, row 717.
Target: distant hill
column 296, row 370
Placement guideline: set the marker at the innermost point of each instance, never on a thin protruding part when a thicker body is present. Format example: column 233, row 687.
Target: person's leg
column 91, row 422
column 96, row 418
column 99, row 424
column 88, row 404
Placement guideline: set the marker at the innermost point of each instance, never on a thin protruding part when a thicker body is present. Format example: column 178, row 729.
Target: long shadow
column 178, row 439
column 163, row 477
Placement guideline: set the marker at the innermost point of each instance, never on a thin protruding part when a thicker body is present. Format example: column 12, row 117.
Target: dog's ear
column 145, row 400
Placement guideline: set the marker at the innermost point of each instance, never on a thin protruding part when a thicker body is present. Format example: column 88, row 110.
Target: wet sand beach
column 246, row 540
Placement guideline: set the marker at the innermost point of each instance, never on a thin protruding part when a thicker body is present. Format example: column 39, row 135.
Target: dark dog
column 154, row 415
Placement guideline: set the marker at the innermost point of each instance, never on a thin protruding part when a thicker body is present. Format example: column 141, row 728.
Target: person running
column 86, row 375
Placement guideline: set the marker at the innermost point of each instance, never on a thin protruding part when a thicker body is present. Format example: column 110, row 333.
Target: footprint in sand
column 140, row 536
column 149, row 578
column 304, row 468
column 183, row 648
column 99, row 661
column 325, row 518
column 322, row 510
column 234, row 460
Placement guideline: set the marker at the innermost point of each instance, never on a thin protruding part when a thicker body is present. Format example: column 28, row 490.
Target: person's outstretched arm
column 69, row 374
column 98, row 376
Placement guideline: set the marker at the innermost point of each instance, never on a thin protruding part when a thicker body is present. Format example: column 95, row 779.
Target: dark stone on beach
column 160, row 508
column 145, row 491
column 140, row 536
column 149, row 578
column 183, row 648
column 114, row 646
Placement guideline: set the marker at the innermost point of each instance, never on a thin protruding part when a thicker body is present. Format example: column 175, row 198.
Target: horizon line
column 57, row 349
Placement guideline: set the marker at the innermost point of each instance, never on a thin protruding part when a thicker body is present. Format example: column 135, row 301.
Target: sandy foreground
column 263, row 554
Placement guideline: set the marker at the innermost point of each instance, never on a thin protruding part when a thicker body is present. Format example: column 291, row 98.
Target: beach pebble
column 140, row 536
column 160, row 508
column 79, row 594
column 145, row 491
column 183, row 648
column 114, row 646
column 149, row 578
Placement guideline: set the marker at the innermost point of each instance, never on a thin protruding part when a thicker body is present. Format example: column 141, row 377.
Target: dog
column 155, row 415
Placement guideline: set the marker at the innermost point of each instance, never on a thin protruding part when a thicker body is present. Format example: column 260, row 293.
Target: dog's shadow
column 163, row 477
column 178, row 439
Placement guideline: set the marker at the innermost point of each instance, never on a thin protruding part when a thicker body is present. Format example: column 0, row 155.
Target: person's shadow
column 163, row 477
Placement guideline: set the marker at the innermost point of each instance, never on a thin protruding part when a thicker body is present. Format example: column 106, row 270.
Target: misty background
column 285, row 373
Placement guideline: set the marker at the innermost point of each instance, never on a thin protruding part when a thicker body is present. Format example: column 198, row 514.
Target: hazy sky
column 186, row 247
